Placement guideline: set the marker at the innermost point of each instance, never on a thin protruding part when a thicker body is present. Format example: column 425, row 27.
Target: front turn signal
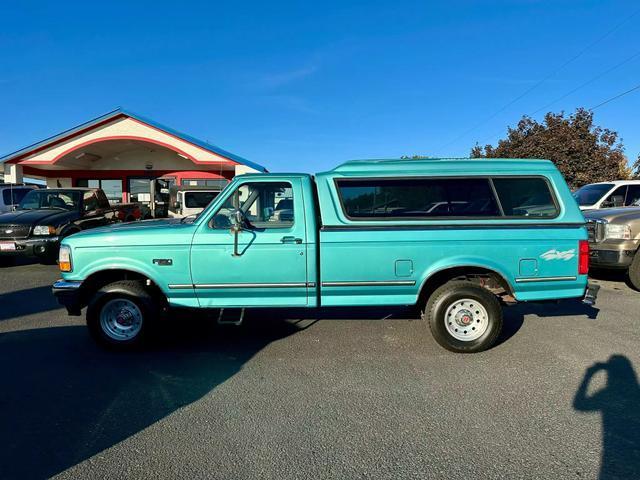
column 64, row 259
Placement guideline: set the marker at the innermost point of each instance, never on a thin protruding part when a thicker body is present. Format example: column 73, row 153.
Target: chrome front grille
column 10, row 232
column 595, row 229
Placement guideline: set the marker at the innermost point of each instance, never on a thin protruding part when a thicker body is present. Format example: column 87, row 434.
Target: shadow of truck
column 63, row 399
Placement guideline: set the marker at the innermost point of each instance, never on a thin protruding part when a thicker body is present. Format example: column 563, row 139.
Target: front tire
column 464, row 317
column 121, row 314
column 634, row 271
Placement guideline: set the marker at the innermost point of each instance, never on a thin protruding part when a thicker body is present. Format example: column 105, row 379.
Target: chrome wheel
column 466, row 319
column 121, row 319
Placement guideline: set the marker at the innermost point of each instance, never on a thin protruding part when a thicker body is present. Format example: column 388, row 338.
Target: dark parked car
column 44, row 217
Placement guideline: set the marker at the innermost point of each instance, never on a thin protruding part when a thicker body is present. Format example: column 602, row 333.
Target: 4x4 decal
column 558, row 255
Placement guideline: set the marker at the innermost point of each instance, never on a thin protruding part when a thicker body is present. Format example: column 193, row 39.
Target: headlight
column 44, row 230
column 617, row 232
column 64, row 259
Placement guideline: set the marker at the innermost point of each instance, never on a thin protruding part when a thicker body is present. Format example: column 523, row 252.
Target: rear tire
column 121, row 315
column 464, row 317
column 634, row 271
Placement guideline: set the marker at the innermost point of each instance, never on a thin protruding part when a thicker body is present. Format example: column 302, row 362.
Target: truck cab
column 458, row 238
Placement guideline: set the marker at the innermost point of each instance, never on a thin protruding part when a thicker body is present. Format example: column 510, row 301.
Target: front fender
column 114, row 263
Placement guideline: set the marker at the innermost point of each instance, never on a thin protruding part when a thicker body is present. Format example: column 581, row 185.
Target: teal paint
column 360, row 261
column 404, row 268
column 528, row 267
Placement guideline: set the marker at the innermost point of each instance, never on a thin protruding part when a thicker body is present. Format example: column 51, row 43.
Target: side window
column 616, row 199
column 90, row 202
column 19, row 193
column 525, row 197
column 264, row 204
column 13, row 196
column 417, row 198
column 633, row 195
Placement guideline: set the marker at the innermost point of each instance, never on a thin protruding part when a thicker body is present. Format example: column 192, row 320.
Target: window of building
column 204, row 182
column 525, row 197
column 416, row 198
column 111, row 188
column 140, row 190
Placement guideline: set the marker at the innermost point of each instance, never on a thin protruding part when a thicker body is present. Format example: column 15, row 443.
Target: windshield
column 590, row 194
column 64, row 200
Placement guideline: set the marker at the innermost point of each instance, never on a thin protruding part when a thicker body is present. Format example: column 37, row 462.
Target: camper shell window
column 455, row 198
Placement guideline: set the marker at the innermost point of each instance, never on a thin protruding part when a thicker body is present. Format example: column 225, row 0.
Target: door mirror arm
column 236, row 228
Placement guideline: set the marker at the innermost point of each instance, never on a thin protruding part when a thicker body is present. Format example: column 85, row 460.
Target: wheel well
column 96, row 281
column 489, row 279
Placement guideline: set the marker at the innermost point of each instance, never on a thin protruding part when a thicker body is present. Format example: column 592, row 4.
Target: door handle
column 290, row 239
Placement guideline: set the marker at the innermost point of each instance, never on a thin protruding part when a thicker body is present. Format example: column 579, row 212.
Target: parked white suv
column 618, row 193
column 11, row 195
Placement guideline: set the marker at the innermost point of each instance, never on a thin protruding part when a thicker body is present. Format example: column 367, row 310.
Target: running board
column 237, row 322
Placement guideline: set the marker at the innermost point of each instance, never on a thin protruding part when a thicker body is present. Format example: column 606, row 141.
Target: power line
column 588, row 82
column 637, row 87
column 570, row 92
column 615, row 97
column 540, row 82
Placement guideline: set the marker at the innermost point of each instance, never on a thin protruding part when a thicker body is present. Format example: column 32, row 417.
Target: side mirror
column 176, row 205
column 239, row 219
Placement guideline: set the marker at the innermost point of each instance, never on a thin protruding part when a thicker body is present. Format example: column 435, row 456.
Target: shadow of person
column 63, row 399
column 619, row 404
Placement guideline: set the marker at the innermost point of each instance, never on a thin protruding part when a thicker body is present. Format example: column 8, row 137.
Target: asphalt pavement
column 360, row 394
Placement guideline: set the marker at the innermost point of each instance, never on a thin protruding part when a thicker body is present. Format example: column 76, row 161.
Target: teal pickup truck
column 457, row 237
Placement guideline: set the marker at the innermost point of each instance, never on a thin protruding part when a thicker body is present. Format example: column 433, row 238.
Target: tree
column 636, row 167
column 583, row 152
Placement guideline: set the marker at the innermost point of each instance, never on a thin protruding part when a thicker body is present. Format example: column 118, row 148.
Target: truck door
column 269, row 267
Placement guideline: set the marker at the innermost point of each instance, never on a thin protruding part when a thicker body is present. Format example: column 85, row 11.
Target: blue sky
column 302, row 86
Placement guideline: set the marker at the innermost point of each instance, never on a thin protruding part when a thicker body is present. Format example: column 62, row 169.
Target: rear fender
column 468, row 261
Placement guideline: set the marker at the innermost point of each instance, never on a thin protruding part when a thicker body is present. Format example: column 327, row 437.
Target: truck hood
column 617, row 215
column 146, row 232
column 136, row 226
column 41, row 216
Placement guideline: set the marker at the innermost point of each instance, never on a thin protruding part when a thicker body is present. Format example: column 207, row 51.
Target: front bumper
column 33, row 247
column 611, row 258
column 67, row 292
